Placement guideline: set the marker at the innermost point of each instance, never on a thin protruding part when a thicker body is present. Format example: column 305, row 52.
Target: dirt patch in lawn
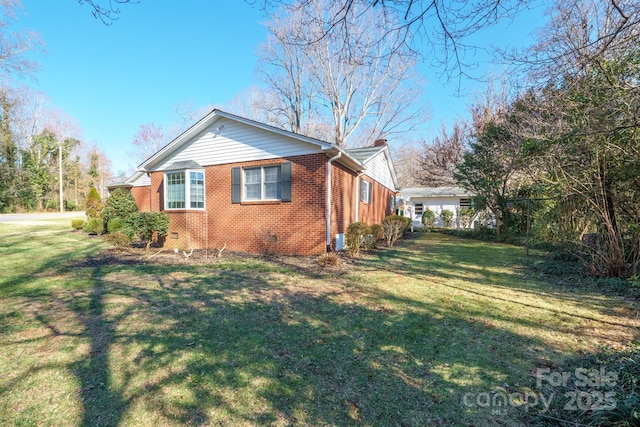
column 308, row 265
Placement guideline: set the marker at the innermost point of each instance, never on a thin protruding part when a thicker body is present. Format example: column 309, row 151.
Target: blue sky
column 161, row 54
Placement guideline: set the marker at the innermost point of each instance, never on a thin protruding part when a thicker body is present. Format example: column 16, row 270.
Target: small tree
column 94, row 205
column 120, row 204
column 148, row 225
column 428, row 218
column 447, row 216
column 394, row 227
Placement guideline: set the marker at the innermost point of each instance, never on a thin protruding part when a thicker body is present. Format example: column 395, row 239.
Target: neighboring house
column 418, row 199
column 230, row 180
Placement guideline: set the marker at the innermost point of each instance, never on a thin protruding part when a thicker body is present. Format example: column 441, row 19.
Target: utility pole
column 60, row 175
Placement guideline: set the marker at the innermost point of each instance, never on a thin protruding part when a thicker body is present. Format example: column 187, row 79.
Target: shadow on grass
column 207, row 346
column 481, row 263
column 223, row 345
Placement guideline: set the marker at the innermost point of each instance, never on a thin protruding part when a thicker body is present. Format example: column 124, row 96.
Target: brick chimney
column 380, row 143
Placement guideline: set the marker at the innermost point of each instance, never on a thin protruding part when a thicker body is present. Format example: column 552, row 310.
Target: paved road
column 39, row 216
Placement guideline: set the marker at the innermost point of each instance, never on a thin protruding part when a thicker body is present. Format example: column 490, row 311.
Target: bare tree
column 287, row 70
column 148, row 140
column 580, row 35
column 14, row 46
column 106, row 11
column 437, row 161
column 357, row 80
column 438, row 29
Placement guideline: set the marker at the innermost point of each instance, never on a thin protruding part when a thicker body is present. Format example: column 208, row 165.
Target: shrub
column 377, row 234
column 428, row 218
column 394, row 227
column 94, row 205
column 466, row 216
column 355, row 237
column 94, row 226
column 329, row 259
column 77, row 224
column 118, row 239
column 115, row 224
column 120, row 204
column 267, row 241
column 149, row 225
column 447, row 217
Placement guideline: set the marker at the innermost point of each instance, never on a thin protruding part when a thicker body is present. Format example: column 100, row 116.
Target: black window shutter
column 286, row 182
column 236, row 194
column 370, row 192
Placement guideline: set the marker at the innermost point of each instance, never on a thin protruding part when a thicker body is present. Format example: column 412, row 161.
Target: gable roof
column 216, row 115
column 365, row 153
column 368, row 155
column 355, row 159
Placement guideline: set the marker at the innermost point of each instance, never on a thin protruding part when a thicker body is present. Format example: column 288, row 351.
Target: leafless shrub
column 329, row 259
column 268, row 241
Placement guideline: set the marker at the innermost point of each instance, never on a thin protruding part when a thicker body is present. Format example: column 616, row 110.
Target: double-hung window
column 365, row 191
column 184, row 189
column 262, row 183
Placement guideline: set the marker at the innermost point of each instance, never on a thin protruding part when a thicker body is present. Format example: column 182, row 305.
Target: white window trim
column 187, row 190
column 365, row 190
column 262, row 184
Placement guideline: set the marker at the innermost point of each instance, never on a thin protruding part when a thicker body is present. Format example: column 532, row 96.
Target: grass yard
column 428, row 333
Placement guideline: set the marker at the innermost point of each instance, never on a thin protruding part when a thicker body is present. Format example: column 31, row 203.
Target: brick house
column 234, row 181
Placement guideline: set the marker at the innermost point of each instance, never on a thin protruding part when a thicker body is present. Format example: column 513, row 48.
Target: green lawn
column 410, row 336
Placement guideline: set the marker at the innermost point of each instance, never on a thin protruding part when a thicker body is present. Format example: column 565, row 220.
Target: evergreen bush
column 428, row 218
column 94, row 226
column 94, row 205
column 447, row 217
column 77, row 224
column 120, row 204
column 115, row 224
column 355, row 237
column 149, row 226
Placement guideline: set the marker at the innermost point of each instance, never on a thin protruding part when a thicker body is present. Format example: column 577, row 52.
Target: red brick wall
column 142, row 196
column 378, row 209
column 343, row 200
column 296, row 227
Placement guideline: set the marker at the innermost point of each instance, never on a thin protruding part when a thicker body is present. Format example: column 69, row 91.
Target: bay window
column 184, row 189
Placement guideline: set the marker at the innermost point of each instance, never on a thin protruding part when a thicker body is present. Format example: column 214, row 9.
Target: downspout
column 337, row 156
column 357, row 200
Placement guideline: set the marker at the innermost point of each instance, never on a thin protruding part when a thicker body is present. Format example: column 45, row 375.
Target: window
column 196, row 190
column 365, row 191
column 264, row 183
column 261, row 183
column 178, row 192
column 466, row 203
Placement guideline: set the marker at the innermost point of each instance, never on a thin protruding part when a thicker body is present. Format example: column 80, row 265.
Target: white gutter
column 357, row 200
column 337, row 156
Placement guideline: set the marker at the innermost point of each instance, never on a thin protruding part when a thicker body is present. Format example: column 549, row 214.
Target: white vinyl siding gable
column 378, row 169
column 227, row 141
column 143, row 180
